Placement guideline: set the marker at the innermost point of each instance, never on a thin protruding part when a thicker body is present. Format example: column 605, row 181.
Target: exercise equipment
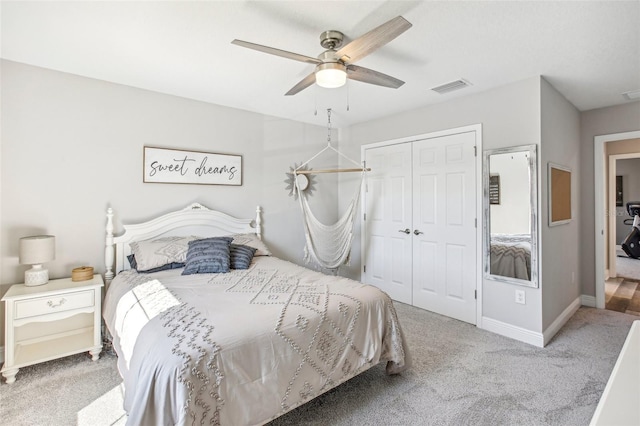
column 631, row 244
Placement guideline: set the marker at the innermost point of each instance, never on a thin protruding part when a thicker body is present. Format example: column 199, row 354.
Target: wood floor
column 623, row 295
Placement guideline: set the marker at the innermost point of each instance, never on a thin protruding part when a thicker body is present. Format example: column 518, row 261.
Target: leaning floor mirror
column 511, row 215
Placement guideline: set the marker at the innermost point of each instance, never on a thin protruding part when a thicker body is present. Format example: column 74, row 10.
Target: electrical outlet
column 520, row 297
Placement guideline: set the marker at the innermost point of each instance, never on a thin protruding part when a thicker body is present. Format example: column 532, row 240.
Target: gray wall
column 629, row 169
column 72, row 146
column 560, row 249
column 602, row 121
column 510, row 116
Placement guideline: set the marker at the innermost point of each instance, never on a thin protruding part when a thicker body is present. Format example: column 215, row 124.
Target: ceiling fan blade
column 366, row 75
column 277, row 52
column 374, row 39
column 303, row 84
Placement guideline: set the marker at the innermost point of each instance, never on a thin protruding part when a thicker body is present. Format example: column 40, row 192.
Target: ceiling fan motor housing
column 331, row 39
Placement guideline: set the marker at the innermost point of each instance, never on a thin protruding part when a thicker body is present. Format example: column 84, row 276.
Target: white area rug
column 627, row 267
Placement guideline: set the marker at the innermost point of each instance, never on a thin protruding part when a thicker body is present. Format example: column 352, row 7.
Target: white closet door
column 444, row 212
column 387, row 252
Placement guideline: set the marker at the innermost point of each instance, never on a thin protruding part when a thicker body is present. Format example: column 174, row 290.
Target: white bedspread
column 244, row 347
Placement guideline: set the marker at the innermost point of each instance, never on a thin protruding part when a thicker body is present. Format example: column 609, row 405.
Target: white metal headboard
column 194, row 219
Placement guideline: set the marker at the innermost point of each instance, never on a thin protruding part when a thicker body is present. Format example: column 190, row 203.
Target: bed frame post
column 259, row 222
column 108, row 253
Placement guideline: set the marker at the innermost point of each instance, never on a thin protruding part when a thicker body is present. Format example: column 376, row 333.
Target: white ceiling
column 589, row 51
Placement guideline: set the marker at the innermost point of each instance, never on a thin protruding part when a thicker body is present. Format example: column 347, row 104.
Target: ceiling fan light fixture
column 331, row 75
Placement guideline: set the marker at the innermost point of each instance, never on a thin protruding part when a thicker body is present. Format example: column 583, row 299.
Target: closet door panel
column 450, row 166
column 426, row 267
column 387, row 204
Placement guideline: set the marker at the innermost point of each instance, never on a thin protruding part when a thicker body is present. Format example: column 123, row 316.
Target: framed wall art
column 162, row 165
column 559, row 194
column 619, row 198
column 494, row 189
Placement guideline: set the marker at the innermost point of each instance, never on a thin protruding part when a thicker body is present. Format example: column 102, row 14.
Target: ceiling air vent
column 451, row 86
column 632, row 95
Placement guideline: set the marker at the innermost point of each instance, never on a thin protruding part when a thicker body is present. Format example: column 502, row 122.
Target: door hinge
column 476, row 222
column 475, row 294
column 364, row 268
column 365, row 217
column 475, row 151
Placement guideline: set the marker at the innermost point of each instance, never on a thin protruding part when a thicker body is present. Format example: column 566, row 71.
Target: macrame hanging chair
column 329, row 245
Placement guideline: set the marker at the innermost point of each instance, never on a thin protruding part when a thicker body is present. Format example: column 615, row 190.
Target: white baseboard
column 513, row 332
column 588, row 300
column 531, row 337
column 562, row 320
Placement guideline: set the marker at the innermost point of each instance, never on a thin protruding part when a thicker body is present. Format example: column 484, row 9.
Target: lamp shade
column 37, row 249
column 331, row 75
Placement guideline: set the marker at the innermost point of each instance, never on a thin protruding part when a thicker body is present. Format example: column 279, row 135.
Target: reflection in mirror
column 511, row 215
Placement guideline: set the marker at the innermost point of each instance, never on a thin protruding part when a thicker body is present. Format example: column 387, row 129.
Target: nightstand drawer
column 53, row 304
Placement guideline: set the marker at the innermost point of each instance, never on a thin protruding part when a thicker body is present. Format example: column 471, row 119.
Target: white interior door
column 420, row 223
column 387, row 252
column 444, row 226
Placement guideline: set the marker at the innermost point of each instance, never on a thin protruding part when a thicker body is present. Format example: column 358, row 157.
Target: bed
column 241, row 347
column 511, row 255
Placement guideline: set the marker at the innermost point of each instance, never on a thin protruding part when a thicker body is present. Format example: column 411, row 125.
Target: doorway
column 603, row 210
column 622, row 288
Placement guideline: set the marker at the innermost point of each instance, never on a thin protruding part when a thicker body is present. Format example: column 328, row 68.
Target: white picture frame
column 164, row 165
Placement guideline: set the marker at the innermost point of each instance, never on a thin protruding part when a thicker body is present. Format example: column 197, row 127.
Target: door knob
column 416, row 232
column 406, row 231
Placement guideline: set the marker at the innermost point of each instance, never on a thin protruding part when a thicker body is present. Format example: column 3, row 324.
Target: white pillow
column 252, row 240
column 160, row 251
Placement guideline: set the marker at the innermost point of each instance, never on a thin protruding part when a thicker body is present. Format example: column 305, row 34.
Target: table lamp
column 35, row 251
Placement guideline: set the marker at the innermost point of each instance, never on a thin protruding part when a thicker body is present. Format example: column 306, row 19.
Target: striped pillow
column 241, row 256
column 252, row 240
column 208, row 256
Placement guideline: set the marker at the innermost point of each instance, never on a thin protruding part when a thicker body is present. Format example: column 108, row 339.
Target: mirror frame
column 533, row 179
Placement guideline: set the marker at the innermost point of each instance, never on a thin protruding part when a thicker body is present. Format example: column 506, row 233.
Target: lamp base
column 37, row 275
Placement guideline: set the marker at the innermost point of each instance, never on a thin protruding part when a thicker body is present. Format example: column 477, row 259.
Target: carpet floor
column 461, row 375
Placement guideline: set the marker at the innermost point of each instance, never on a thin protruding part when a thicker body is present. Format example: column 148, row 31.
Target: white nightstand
column 51, row 321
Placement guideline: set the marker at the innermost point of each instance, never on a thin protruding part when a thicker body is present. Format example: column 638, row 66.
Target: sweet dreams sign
column 163, row 165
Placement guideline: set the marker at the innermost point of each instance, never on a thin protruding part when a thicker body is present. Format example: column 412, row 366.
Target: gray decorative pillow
column 173, row 265
column 158, row 252
column 208, row 256
column 252, row 240
column 241, row 256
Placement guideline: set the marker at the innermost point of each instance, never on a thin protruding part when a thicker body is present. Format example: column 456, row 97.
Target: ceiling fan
column 333, row 67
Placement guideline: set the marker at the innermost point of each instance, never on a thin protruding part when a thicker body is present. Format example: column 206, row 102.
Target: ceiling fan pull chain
column 315, row 102
column 329, row 126
column 347, row 96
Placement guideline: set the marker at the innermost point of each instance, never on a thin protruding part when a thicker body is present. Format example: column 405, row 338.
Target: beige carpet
column 460, row 376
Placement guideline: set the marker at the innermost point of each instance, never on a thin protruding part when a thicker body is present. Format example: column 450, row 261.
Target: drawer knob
column 52, row 304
